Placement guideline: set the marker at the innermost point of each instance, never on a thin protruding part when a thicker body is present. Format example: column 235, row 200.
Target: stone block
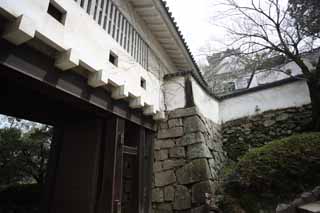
column 157, row 166
column 168, row 193
column 157, row 195
column 185, row 112
column 164, row 144
column 195, row 171
column 161, row 155
column 191, row 138
column 182, row 198
column 199, row 191
column 199, row 150
column 177, row 152
column 164, row 208
column 170, row 133
column 200, row 209
column 175, row 122
column 164, row 178
column 170, row 164
column 193, row 124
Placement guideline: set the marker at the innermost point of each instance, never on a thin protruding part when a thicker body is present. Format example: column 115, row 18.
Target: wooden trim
column 141, row 182
column 150, row 136
column 70, row 86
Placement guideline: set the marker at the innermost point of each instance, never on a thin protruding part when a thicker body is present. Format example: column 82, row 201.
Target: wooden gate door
column 133, row 181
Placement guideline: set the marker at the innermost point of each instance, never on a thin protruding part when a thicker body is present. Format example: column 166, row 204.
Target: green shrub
column 289, row 165
column 276, row 172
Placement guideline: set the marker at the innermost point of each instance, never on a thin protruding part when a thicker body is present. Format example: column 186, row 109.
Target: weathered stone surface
column 200, row 209
column 164, row 178
column 161, row 155
column 157, row 195
column 199, row 150
column 170, row 133
column 193, row 124
column 163, row 144
column 195, row 171
column 179, row 113
column 168, row 193
column 250, row 132
column 164, row 208
column 200, row 189
column 163, row 125
column 191, row 138
column 170, row 164
column 177, row 152
column 175, row 123
column 182, row 198
column 157, row 166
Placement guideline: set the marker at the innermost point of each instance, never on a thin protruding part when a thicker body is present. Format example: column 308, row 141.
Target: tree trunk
column 314, row 89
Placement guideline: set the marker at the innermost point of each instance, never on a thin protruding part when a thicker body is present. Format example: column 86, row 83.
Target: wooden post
column 110, row 160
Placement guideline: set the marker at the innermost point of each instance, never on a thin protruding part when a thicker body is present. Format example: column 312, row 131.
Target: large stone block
column 168, row 193
column 164, row 178
column 180, row 113
column 170, row 164
column 182, row 198
column 157, row 195
column 199, row 150
column 161, row 155
column 193, row 124
column 170, row 133
column 195, row 171
column 163, row 144
column 191, row 138
column 199, row 191
column 175, row 122
column 177, row 152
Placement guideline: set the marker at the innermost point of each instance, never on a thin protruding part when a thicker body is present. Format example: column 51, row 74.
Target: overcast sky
column 196, row 23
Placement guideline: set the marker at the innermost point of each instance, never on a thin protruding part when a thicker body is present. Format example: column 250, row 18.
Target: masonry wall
column 242, row 134
column 188, row 155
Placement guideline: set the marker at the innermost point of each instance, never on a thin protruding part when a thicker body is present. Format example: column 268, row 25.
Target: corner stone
column 170, row 133
column 200, row 189
column 194, row 124
column 199, row 150
column 195, row 171
column 164, row 178
column 182, row 198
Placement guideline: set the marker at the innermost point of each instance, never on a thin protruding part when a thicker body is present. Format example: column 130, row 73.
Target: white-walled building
column 136, row 126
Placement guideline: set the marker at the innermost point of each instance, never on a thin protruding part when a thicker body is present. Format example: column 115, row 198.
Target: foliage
column 24, row 153
column 276, row 172
column 307, row 15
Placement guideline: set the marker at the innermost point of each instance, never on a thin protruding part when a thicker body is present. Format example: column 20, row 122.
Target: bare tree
column 266, row 27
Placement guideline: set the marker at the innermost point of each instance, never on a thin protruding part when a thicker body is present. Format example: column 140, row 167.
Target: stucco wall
column 90, row 45
column 174, row 93
column 293, row 94
column 206, row 104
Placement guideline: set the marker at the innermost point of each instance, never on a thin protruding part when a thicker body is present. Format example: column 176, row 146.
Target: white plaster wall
column 91, row 45
column 174, row 93
column 288, row 95
column 206, row 104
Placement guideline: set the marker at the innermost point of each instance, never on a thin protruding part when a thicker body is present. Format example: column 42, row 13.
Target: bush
column 276, row 172
column 288, row 165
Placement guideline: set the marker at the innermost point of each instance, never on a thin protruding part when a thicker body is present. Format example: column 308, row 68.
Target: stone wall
column 241, row 135
column 187, row 158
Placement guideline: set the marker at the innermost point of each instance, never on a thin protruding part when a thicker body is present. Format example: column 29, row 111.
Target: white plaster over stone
column 293, row 94
column 82, row 42
column 207, row 105
column 175, row 93
column 20, row 31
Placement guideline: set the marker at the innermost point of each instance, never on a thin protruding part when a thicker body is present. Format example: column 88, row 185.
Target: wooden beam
column 70, row 87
